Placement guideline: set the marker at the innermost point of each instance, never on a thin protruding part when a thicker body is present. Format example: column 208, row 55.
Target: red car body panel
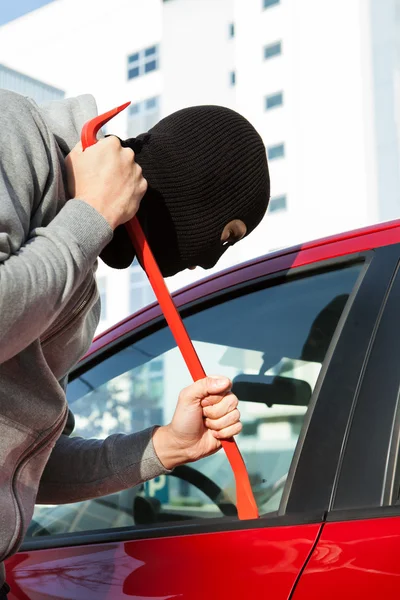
column 351, row 559
column 260, row 563
column 354, row 559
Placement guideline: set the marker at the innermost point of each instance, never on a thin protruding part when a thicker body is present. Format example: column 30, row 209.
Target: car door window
column 271, row 342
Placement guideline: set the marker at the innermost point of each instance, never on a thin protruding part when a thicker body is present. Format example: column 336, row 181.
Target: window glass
column 140, row 292
column 143, row 115
column 272, row 343
column 133, row 57
column 268, row 3
column 102, row 287
column 134, row 109
column 150, row 66
column 277, row 203
column 274, row 100
column 132, row 73
column 143, row 62
column 272, row 50
column 151, row 103
column 150, row 51
column 28, row 86
column 277, row 151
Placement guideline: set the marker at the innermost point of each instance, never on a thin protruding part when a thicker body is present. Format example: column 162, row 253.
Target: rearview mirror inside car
column 272, row 389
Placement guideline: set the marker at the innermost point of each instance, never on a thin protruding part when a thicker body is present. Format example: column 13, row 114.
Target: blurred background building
column 319, row 80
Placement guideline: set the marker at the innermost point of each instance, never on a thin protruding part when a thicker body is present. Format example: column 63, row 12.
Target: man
column 198, row 182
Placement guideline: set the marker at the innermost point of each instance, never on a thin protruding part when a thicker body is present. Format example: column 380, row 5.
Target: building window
column 274, row 100
column 232, row 78
column 272, row 50
column 102, row 287
column 143, row 115
column 278, row 203
column 277, row 151
column 140, row 291
column 231, row 30
column 143, row 62
column 269, row 3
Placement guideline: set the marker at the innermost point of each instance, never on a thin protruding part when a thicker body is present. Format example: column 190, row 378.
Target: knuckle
column 209, row 412
column 112, row 140
column 218, row 411
column 212, row 425
column 208, row 381
column 233, row 402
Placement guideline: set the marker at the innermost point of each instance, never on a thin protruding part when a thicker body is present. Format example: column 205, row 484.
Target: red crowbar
column 246, row 504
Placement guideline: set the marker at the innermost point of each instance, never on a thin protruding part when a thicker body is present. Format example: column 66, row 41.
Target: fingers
column 112, row 140
column 216, row 407
column 227, row 432
column 222, row 418
column 200, row 390
column 223, row 422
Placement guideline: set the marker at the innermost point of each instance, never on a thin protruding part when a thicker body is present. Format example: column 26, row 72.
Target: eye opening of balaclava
column 205, row 166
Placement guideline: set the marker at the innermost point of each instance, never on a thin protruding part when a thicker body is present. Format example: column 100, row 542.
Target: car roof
column 334, row 246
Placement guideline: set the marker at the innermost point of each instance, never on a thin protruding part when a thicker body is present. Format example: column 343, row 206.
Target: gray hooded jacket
column 49, row 309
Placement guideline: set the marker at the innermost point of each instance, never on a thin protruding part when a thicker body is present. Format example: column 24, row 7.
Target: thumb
column 205, row 387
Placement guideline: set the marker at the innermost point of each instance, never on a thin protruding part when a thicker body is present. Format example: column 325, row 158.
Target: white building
column 319, row 80
column 28, row 86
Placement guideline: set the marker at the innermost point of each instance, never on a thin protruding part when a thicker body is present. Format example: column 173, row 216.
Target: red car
column 310, row 337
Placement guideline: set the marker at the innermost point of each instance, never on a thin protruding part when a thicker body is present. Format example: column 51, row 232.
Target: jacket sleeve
column 40, row 268
column 80, row 469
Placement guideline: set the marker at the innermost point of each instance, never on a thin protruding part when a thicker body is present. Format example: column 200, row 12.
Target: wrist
column 104, row 211
column 170, row 453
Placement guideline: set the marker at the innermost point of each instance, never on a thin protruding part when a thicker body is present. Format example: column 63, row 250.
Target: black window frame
column 371, row 454
column 302, row 503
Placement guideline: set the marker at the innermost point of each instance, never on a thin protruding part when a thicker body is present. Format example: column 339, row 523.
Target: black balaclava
column 205, row 166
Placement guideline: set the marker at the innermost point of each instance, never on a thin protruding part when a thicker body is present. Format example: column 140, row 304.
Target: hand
column 107, row 177
column 206, row 414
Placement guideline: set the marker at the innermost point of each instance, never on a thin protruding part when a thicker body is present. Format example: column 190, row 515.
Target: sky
column 11, row 9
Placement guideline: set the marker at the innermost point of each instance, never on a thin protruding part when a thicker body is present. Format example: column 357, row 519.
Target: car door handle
column 246, row 504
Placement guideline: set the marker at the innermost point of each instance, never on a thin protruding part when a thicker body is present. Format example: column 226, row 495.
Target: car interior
column 270, row 340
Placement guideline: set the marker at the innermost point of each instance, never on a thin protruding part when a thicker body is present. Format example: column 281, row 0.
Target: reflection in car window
column 272, row 343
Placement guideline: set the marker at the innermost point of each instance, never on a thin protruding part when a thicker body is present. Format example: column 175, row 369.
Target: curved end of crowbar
column 92, row 127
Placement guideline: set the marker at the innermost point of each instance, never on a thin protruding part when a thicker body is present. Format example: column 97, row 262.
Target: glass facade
column 28, row 86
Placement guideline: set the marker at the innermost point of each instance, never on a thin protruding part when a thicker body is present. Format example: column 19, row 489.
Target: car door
column 293, row 333
column 357, row 554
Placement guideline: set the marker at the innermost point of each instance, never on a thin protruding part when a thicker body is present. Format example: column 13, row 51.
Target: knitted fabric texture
column 205, row 166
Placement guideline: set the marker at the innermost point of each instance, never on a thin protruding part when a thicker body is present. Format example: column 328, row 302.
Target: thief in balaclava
column 208, row 187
